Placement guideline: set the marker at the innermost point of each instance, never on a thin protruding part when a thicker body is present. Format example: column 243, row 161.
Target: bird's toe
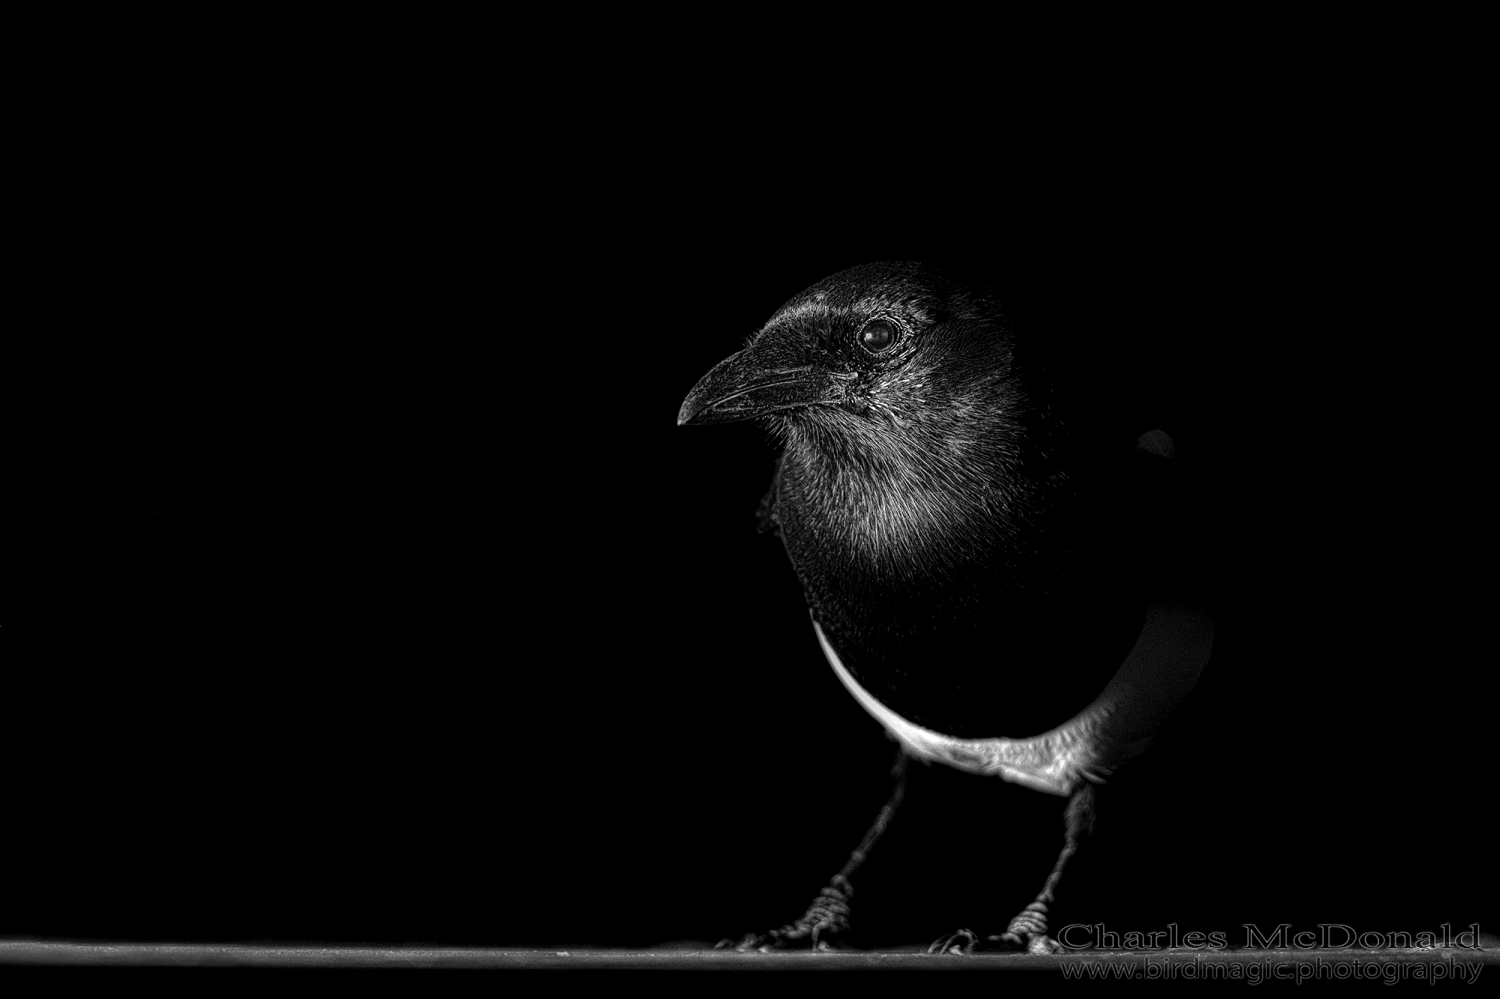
column 821, row 934
column 1030, row 943
column 750, row 941
column 957, row 942
column 1043, row 944
column 822, row 926
column 1028, row 932
column 819, row 931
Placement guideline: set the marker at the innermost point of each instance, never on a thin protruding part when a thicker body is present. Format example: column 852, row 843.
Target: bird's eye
column 877, row 336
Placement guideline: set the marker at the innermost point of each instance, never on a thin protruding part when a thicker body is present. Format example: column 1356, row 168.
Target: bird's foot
column 957, row 942
column 821, row 926
column 1026, row 933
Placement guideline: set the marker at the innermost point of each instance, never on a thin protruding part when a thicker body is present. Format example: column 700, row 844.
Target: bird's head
column 896, row 390
column 892, row 343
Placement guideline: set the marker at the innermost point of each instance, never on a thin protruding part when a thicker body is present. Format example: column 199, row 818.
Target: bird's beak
column 755, row 382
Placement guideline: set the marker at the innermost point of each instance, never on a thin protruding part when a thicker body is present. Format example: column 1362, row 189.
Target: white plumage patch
column 1168, row 655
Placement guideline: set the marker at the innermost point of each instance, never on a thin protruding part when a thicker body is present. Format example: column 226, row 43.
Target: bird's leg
column 1028, row 931
column 828, row 916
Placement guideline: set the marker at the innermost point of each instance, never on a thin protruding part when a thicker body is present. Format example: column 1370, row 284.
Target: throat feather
column 878, row 505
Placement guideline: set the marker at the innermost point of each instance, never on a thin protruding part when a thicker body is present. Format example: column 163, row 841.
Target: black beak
column 757, row 381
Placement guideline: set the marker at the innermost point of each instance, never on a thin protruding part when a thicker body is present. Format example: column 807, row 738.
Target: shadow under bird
column 994, row 582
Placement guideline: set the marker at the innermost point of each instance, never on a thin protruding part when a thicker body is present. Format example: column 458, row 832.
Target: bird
column 992, row 579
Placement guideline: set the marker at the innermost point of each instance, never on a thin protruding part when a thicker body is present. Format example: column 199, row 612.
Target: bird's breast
column 951, row 615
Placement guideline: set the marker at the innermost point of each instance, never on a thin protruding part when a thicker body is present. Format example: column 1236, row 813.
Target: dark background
column 378, row 597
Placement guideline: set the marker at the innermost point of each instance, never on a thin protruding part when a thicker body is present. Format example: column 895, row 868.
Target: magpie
column 991, row 576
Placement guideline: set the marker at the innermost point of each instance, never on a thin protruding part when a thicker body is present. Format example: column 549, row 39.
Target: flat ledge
column 1178, row 963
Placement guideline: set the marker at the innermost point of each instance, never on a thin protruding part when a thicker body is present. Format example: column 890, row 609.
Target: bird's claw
column 957, row 942
column 1031, row 943
column 825, row 920
column 1027, row 933
column 812, row 936
column 750, row 941
column 968, row 942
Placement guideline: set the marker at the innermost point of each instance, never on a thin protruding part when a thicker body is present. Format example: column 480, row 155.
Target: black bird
column 992, row 580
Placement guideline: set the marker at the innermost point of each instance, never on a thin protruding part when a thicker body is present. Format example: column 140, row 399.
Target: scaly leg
column 1028, row 931
column 828, row 916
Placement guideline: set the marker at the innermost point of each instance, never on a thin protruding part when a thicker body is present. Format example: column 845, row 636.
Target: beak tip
column 748, row 385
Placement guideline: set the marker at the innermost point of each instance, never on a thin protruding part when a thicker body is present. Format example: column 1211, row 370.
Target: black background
column 379, row 597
